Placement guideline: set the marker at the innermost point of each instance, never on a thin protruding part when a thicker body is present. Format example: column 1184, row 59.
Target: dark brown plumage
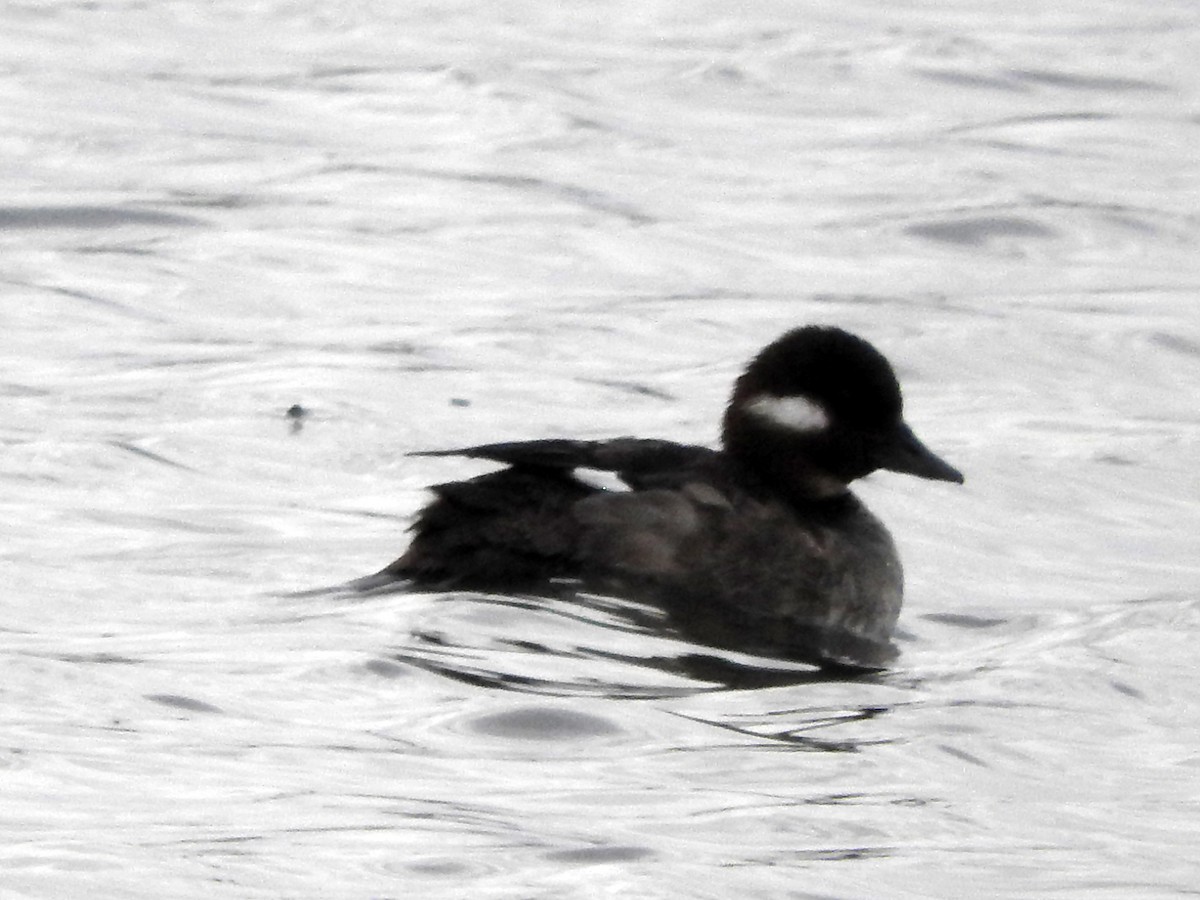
column 758, row 546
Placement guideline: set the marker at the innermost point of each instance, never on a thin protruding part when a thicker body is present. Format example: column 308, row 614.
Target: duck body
column 758, row 546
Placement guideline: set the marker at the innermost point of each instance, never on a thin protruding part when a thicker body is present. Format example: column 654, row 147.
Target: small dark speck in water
column 296, row 413
column 537, row 724
column 459, row 401
column 186, row 703
column 1113, row 459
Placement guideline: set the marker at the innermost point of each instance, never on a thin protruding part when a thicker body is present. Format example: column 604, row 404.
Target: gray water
column 439, row 224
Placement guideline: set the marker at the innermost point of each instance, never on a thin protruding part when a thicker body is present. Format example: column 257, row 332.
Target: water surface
column 444, row 224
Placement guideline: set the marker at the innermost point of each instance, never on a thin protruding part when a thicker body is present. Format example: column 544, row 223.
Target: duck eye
column 797, row 413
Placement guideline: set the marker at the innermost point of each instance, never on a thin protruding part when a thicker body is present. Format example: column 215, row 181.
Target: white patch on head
column 799, row 414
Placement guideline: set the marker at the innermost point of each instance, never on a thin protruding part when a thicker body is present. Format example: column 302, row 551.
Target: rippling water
column 431, row 225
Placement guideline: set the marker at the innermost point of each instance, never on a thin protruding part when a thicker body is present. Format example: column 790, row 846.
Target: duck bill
column 904, row 452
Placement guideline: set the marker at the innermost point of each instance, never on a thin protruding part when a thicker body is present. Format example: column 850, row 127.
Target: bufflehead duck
column 759, row 546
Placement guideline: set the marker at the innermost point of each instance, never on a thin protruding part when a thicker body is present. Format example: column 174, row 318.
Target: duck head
column 818, row 408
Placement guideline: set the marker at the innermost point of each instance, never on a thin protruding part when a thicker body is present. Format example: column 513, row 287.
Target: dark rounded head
column 819, row 408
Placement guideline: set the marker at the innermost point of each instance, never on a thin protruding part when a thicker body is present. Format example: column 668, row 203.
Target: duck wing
column 522, row 526
column 639, row 462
